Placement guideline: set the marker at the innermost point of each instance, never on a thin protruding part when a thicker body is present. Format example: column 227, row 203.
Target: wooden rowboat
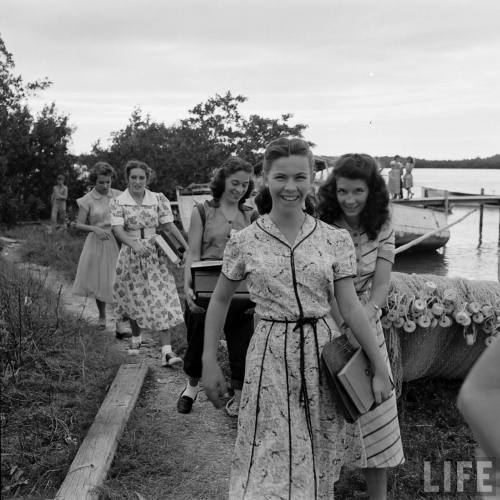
column 410, row 222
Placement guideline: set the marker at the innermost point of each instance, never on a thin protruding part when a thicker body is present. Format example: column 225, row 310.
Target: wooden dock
column 446, row 201
column 440, row 201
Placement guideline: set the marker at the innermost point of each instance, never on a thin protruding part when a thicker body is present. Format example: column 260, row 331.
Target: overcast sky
column 418, row 77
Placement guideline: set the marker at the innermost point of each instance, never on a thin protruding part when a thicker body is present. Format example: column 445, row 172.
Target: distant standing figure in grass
column 408, row 176
column 58, row 200
column 145, row 288
column 95, row 274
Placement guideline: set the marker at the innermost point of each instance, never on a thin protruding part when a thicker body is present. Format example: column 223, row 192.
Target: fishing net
column 437, row 326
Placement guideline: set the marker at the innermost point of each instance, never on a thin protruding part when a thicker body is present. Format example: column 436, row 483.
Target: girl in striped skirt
column 355, row 198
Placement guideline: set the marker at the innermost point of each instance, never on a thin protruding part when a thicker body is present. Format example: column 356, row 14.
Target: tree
column 33, row 150
column 189, row 151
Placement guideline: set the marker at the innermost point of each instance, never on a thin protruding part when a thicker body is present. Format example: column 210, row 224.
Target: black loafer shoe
column 184, row 404
column 123, row 335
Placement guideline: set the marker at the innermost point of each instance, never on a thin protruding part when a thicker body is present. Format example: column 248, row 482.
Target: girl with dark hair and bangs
column 212, row 224
column 355, row 198
column 291, row 435
column 375, row 211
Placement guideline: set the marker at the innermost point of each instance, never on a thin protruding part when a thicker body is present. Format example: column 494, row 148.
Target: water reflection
column 430, row 262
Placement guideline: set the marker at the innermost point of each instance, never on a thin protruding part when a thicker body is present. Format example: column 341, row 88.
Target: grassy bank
column 60, row 250
column 54, row 372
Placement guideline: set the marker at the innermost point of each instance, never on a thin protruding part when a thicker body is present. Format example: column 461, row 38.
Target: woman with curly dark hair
column 212, row 224
column 355, row 197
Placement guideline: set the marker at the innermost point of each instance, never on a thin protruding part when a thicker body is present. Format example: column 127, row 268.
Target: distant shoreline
column 417, row 166
column 490, row 163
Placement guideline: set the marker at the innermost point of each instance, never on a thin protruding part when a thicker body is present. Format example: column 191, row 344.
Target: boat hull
column 412, row 222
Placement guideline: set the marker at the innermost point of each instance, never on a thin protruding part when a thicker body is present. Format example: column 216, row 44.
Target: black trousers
column 238, row 330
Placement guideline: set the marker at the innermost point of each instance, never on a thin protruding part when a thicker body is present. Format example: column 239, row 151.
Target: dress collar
column 307, row 228
column 343, row 224
column 126, row 198
column 98, row 196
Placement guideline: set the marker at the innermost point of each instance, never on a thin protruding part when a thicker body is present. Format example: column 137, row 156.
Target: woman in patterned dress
column 145, row 289
column 95, row 274
column 355, row 198
column 291, row 436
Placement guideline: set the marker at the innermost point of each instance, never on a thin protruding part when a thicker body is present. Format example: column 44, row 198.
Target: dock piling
column 481, row 210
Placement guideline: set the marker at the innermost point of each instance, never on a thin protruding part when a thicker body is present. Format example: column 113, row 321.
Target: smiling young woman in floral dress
column 291, row 436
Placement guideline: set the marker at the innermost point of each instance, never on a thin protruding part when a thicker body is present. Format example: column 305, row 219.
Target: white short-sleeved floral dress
column 291, row 436
column 144, row 288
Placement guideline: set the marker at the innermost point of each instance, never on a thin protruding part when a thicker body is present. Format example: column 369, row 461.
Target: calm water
column 463, row 255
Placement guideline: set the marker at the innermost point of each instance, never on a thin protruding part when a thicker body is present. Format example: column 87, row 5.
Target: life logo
column 479, row 476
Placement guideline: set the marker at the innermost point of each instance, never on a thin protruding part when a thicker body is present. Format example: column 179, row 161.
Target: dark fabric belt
column 299, row 322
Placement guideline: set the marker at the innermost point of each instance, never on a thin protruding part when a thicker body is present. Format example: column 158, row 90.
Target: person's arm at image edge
column 479, row 400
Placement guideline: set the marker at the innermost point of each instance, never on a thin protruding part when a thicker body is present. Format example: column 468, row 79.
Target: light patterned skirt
column 380, row 426
column 95, row 275
column 145, row 289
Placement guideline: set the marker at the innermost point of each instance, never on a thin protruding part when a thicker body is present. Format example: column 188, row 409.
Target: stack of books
column 349, row 373
column 170, row 246
column 356, row 379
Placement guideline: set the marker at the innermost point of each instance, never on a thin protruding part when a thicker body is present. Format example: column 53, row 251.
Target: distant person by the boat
column 394, row 178
column 95, row 274
column 355, row 198
column 408, row 176
column 212, row 224
column 58, row 201
column 291, row 436
column 144, row 288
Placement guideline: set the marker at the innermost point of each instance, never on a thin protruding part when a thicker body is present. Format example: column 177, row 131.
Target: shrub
column 54, row 373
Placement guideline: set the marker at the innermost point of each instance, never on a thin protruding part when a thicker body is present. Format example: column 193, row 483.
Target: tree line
column 34, row 149
column 490, row 162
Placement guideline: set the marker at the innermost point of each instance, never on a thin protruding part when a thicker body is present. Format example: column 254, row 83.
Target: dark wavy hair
column 280, row 148
column 363, row 167
column 231, row 166
column 101, row 168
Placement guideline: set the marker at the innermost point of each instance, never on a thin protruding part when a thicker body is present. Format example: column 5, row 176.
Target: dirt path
column 162, row 454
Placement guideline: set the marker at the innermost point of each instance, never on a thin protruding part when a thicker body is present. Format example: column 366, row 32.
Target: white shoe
column 123, row 330
column 171, row 359
column 135, row 343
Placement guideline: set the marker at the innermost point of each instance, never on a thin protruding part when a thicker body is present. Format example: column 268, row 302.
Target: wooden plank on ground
column 95, row 455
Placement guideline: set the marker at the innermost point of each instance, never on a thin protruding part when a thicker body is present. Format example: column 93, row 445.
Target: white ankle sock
column 191, row 391
column 135, row 341
column 166, row 349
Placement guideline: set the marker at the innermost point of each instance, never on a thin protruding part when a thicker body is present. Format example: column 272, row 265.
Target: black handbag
column 335, row 355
